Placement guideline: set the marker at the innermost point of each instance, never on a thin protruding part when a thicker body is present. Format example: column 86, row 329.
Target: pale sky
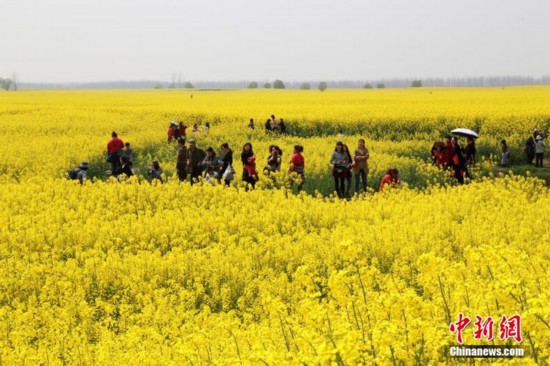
column 230, row 40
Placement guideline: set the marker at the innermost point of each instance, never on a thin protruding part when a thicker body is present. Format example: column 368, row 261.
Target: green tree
column 322, row 86
column 253, row 85
column 6, row 83
column 416, row 83
column 367, row 86
column 267, row 86
column 380, row 85
column 278, row 84
column 305, row 86
column 188, row 85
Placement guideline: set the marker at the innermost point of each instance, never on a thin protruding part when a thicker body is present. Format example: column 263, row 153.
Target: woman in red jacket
column 391, row 179
column 171, row 132
column 297, row 164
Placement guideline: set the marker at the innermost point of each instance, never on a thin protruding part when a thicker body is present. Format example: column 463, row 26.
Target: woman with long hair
column 249, row 166
column 227, row 160
column 340, row 162
column 360, row 165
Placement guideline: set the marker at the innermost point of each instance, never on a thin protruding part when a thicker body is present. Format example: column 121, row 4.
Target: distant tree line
column 177, row 82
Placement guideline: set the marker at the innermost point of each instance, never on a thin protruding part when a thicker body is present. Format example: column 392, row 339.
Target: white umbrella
column 464, row 132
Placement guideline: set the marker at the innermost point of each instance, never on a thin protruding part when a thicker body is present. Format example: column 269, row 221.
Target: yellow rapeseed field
column 133, row 273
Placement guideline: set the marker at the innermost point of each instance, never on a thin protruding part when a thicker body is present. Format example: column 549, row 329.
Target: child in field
column 391, row 179
column 154, row 171
column 251, row 167
column 211, row 176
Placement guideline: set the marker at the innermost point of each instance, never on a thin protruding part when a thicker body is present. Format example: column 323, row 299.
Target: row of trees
column 278, row 84
column 414, row 84
column 9, row 83
column 185, row 85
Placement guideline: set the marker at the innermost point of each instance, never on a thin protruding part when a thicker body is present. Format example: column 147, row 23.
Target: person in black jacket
column 227, row 160
column 247, row 158
column 530, row 150
column 125, row 169
column 268, row 126
column 459, row 163
column 470, row 152
column 282, row 127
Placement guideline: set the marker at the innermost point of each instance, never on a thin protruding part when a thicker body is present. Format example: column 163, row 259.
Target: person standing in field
column 251, row 124
column 275, row 123
column 297, row 164
column 348, row 171
column 440, row 154
column 360, row 165
column 391, row 180
column 181, row 163
column 470, row 152
column 177, row 132
column 274, row 159
column 539, row 152
column 249, row 166
column 195, row 156
column 504, row 153
column 268, row 126
column 212, row 164
column 339, row 160
column 529, row 150
column 227, row 167
column 113, row 151
column 459, row 163
column 171, row 132
column 282, row 127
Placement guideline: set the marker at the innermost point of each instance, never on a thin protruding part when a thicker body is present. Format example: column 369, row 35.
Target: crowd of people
column 534, row 149
column 450, row 155
column 193, row 162
column 272, row 124
column 178, row 130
